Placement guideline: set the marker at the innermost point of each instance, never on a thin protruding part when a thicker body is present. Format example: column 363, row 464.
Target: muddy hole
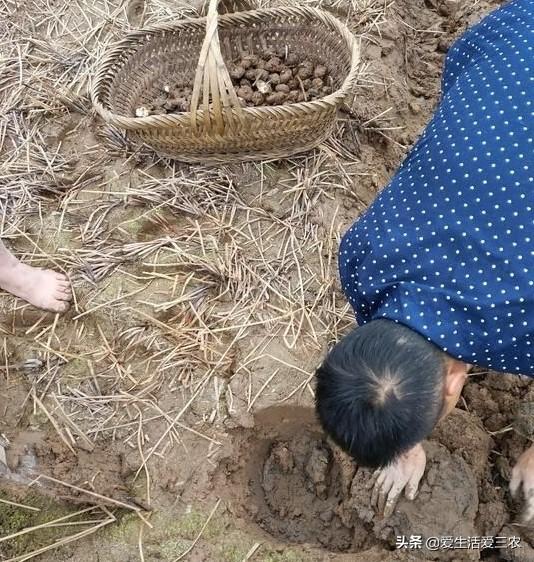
column 293, row 483
column 300, row 492
column 285, row 478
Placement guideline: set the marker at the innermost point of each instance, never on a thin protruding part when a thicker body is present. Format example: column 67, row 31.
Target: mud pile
column 301, row 488
column 288, row 479
column 304, row 501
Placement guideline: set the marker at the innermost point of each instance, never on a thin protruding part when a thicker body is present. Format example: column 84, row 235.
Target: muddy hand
column 404, row 473
column 523, row 476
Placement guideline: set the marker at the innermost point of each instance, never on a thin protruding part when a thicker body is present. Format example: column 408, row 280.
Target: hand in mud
column 523, row 474
column 403, row 473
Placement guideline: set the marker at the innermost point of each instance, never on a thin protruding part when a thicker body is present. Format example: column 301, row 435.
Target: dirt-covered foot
column 43, row 288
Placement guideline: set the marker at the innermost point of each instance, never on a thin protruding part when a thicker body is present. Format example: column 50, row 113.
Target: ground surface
column 178, row 389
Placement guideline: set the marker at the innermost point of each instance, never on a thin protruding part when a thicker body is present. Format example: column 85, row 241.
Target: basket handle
column 213, row 82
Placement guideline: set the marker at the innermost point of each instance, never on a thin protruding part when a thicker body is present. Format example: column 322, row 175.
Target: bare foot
column 43, row 288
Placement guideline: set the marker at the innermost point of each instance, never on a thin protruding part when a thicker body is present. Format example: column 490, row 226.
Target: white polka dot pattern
column 447, row 248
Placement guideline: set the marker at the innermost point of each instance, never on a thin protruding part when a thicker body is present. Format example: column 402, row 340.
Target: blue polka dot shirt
column 447, row 247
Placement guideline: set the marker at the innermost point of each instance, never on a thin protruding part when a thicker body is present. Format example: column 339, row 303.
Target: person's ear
column 455, row 378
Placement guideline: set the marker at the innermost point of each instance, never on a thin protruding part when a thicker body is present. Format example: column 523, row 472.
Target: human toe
column 58, row 306
column 61, row 277
column 63, row 295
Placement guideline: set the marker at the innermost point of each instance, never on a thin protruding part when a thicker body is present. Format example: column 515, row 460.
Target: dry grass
column 183, row 276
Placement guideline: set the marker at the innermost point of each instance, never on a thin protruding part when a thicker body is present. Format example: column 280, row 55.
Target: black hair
column 380, row 391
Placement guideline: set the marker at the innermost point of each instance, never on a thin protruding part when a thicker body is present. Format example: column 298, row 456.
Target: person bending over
column 440, row 268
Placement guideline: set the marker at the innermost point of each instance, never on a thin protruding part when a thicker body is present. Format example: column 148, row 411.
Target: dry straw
column 218, row 129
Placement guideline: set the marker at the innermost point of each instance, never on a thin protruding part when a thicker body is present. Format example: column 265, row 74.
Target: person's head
column 382, row 389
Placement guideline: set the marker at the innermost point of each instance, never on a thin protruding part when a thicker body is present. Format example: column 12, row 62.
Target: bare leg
column 41, row 287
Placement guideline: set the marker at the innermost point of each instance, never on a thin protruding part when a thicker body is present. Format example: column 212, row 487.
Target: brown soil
column 294, row 455
column 284, row 476
column 281, row 483
column 34, row 452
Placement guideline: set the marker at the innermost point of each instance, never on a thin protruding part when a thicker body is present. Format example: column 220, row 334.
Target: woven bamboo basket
column 193, row 53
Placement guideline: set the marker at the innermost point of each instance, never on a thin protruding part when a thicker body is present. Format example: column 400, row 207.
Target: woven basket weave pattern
column 136, row 70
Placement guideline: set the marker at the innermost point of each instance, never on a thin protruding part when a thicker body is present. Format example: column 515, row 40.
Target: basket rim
column 105, row 71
